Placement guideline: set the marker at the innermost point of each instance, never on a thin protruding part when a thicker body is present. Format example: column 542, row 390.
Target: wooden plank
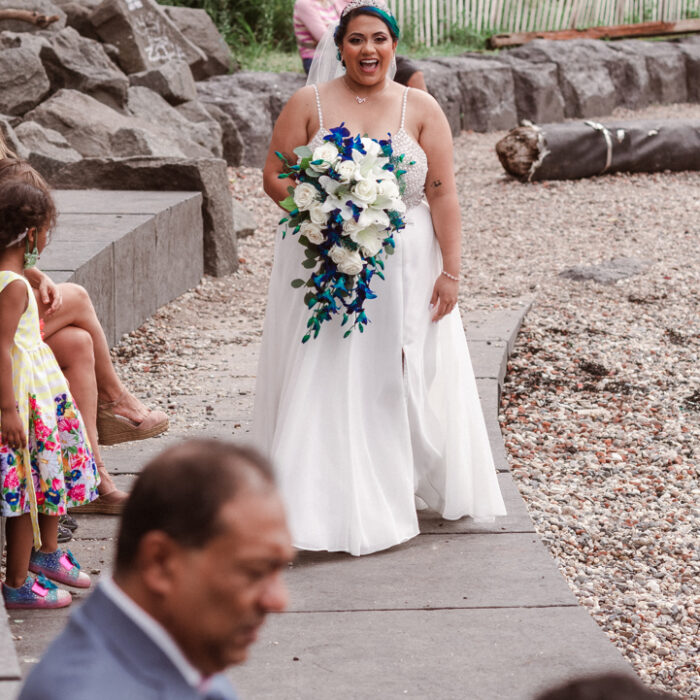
column 687, row 26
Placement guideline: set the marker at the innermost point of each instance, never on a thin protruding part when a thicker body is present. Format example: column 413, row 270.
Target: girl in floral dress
column 46, row 464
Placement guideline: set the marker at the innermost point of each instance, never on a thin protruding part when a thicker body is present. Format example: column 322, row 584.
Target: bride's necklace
column 362, row 100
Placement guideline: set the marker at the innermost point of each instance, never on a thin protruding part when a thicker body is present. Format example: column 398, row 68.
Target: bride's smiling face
column 367, row 49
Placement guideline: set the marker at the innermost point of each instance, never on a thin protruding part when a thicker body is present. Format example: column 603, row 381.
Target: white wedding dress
column 358, row 427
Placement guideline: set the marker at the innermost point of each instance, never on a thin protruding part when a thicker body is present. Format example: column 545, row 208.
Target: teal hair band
column 387, row 17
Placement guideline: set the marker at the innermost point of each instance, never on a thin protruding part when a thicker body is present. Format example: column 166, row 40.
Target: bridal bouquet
column 346, row 207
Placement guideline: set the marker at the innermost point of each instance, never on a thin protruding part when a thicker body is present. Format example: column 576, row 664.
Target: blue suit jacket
column 103, row 655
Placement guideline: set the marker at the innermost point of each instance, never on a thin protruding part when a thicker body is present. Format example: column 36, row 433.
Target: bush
column 259, row 25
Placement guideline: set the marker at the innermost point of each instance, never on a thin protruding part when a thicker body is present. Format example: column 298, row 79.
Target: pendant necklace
column 362, row 100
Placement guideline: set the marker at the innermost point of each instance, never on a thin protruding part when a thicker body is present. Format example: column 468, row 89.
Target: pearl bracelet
column 449, row 276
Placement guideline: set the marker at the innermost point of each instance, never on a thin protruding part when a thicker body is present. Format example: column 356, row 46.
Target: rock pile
column 113, row 82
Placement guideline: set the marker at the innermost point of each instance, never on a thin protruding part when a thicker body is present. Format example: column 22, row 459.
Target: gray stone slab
column 489, row 359
column 489, row 397
column 130, row 458
column 488, row 654
column 106, row 228
column 517, row 519
column 135, row 288
column 432, row 571
column 9, row 667
column 9, row 690
column 498, row 324
column 119, row 201
column 179, row 249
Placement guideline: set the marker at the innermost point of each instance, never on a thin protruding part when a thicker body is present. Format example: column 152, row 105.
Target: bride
column 366, row 429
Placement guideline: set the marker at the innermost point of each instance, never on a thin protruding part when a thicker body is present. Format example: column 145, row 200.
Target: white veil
column 326, row 65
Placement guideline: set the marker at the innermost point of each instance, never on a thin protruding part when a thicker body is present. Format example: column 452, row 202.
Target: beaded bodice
column 414, row 156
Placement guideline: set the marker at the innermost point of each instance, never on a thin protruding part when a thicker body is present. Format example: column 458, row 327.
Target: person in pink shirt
column 311, row 19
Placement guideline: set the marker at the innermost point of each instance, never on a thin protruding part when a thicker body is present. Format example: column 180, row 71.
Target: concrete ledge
column 133, row 251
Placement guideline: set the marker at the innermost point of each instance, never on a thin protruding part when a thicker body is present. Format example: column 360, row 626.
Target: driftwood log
column 569, row 151
column 41, row 21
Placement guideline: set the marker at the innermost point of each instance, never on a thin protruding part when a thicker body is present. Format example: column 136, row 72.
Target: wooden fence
column 432, row 21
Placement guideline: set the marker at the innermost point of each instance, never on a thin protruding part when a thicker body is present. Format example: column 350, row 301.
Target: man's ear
column 158, row 560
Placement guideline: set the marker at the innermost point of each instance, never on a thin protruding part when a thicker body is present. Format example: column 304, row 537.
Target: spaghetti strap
column 403, row 107
column 318, row 105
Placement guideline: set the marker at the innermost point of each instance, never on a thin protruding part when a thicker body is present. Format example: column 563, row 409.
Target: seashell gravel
column 600, row 410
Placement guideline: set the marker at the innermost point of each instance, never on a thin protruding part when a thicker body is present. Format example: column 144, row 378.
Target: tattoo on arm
column 436, row 183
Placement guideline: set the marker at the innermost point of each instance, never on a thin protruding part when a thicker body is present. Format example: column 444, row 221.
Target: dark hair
column 181, row 492
column 23, row 206
column 610, row 686
column 370, row 10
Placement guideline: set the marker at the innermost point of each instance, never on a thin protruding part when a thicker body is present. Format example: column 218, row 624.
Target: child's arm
column 49, row 292
column 13, row 302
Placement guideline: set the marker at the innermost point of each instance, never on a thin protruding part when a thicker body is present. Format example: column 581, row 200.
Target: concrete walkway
column 466, row 610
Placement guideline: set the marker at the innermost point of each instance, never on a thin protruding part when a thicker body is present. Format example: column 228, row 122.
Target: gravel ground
column 601, row 406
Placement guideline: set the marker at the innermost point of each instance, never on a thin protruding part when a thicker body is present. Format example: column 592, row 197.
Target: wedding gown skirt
column 358, row 426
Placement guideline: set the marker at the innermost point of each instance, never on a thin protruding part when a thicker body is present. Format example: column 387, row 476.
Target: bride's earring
column 30, row 258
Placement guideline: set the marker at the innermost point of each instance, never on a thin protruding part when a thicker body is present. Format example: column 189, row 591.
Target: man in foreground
column 201, row 550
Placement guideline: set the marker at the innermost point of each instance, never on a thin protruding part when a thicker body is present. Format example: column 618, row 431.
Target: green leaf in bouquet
column 297, row 283
column 283, row 220
column 347, row 333
column 309, row 263
column 345, row 319
column 303, row 152
column 304, row 165
column 305, row 338
column 288, row 203
column 310, row 283
column 310, row 253
column 309, row 299
column 281, row 176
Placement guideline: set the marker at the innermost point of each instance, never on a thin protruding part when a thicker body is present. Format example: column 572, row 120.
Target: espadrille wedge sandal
column 110, row 501
column 113, row 428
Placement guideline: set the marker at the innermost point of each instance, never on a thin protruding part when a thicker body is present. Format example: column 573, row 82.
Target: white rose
column 388, row 188
column 369, row 240
column 305, row 194
column 346, row 170
column 349, row 262
column 327, row 153
column 365, row 191
column 318, row 214
column 312, row 232
column 351, row 227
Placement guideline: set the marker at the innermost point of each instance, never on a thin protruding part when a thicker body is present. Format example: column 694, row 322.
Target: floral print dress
column 56, row 470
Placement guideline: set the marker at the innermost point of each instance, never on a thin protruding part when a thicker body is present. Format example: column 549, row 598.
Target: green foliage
column 252, row 28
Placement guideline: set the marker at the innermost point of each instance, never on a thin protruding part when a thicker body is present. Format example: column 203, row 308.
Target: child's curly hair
column 23, row 206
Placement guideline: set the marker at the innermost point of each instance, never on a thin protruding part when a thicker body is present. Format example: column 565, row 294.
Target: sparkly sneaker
column 59, row 566
column 36, row 593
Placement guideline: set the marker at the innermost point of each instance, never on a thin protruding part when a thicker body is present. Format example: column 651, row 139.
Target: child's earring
column 30, row 258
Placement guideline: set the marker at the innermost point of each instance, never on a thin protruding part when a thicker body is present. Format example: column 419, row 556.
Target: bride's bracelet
column 449, row 276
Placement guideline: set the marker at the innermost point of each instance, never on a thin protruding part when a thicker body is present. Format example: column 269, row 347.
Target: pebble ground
column 601, row 406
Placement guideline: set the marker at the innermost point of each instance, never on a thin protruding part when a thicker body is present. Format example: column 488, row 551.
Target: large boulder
column 161, row 118
column 47, row 150
column 96, row 130
column 488, row 102
column 537, row 94
column 172, row 81
column 665, row 64
column 78, row 14
column 199, row 28
column 143, row 35
column 72, row 61
column 691, row 54
column 43, row 7
column 207, row 176
column 444, row 87
column 23, row 80
column 230, row 138
column 208, row 127
column 584, row 79
column 253, row 102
